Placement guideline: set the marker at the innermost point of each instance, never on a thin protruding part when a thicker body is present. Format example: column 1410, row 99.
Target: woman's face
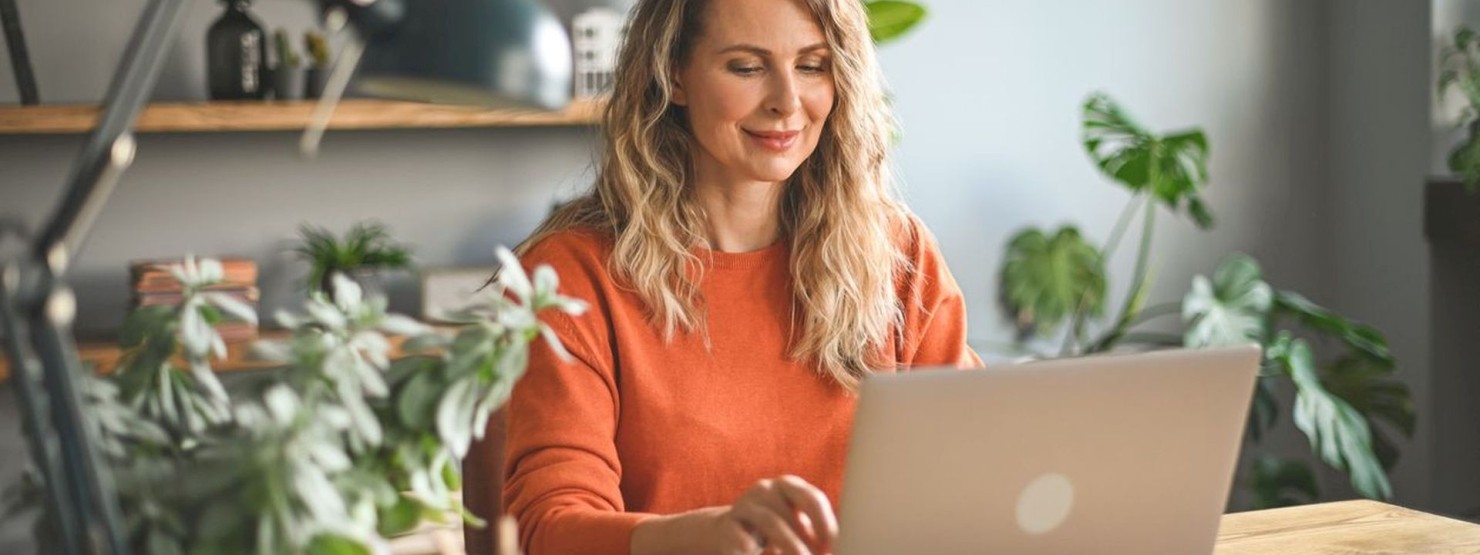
column 758, row 87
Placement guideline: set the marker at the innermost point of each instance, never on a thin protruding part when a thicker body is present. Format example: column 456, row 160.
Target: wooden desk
column 1345, row 527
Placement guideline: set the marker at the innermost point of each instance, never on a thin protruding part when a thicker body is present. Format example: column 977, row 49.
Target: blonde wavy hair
column 837, row 210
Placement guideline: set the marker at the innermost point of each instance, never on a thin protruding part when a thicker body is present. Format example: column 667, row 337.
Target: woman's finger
column 812, row 502
column 769, row 494
column 776, row 532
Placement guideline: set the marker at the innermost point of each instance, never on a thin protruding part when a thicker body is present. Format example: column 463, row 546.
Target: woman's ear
column 680, row 96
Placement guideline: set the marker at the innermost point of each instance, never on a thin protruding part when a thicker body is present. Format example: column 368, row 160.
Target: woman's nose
column 784, row 99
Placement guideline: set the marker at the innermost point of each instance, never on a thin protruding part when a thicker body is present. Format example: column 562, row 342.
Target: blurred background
column 1323, row 119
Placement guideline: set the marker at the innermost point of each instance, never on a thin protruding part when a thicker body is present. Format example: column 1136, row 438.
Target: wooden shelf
column 104, row 355
column 353, row 113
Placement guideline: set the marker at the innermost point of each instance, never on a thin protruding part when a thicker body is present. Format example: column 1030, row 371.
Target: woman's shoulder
column 913, row 240
column 923, row 273
column 570, row 248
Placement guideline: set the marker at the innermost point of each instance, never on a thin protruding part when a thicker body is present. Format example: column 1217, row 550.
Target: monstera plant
column 337, row 450
column 1346, row 401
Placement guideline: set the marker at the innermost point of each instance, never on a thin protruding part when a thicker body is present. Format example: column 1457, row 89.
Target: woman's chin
column 778, row 172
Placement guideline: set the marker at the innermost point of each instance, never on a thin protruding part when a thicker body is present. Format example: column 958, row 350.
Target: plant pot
column 313, row 86
column 287, row 83
column 367, row 278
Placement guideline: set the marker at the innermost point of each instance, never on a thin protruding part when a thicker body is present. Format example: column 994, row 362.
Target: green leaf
column 1367, row 385
column 1337, row 432
column 1361, row 338
column 1282, row 483
column 416, row 403
column 366, row 244
column 400, row 517
column 1172, row 167
column 330, row 544
column 1465, row 160
column 1229, row 310
column 1046, row 279
column 890, row 19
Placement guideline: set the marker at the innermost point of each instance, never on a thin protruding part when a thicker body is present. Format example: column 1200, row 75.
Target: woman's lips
column 775, row 141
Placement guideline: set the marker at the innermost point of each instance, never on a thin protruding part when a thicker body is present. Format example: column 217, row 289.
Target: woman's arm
column 785, row 515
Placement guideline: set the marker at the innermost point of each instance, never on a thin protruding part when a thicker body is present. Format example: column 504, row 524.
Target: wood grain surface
column 1347, row 527
column 354, row 113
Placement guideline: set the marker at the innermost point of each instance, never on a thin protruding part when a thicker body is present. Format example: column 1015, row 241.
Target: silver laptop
column 1113, row 454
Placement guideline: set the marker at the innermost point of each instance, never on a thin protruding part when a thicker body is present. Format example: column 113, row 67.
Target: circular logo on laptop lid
column 1045, row 503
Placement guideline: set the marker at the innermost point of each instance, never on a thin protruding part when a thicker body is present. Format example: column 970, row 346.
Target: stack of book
column 153, row 284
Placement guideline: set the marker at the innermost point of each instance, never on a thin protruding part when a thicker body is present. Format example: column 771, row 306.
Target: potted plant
column 287, row 76
column 1459, row 69
column 334, row 453
column 366, row 248
column 1053, row 284
column 318, row 67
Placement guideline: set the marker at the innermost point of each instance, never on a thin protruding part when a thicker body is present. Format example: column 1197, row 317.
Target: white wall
column 989, row 94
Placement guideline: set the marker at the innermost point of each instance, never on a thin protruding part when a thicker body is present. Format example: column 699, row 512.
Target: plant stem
column 1117, row 232
column 1076, row 328
column 1157, row 311
column 1139, row 284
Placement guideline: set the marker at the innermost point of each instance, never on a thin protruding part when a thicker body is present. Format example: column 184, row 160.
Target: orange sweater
column 632, row 426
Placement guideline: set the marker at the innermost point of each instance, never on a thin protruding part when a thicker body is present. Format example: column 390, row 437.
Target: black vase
column 236, row 55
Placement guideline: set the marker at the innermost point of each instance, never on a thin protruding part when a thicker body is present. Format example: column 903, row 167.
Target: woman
column 746, row 266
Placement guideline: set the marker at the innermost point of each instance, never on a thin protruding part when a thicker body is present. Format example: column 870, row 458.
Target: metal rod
column 26, row 374
column 48, row 307
column 20, row 58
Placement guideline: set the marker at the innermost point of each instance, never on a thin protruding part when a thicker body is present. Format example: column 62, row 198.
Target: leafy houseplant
column 890, row 19
column 318, row 70
column 333, row 453
column 287, row 76
column 367, row 246
column 1459, row 68
column 1055, row 283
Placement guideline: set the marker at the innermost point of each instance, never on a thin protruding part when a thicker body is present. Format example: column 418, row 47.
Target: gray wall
column 1314, row 108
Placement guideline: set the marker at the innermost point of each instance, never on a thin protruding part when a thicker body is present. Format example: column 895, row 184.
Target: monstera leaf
column 1047, row 278
column 1338, row 432
column 1172, row 167
column 1282, row 482
column 891, row 19
column 1231, row 309
column 1369, row 387
column 1364, row 340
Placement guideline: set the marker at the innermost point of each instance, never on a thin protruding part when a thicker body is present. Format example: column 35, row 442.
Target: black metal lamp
column 495, row 54
column 479, row 52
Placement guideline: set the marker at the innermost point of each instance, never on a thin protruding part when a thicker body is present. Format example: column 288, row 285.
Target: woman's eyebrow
column 751, row 48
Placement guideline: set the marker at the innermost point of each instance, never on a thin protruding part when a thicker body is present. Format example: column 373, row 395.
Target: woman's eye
column 745, row 70
column 812, row 69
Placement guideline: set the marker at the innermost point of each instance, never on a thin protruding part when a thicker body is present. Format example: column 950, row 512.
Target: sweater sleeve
column 934, row 308
column 562, row 473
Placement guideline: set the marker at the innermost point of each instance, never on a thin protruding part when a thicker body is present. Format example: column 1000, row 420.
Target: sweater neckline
column 769, row 254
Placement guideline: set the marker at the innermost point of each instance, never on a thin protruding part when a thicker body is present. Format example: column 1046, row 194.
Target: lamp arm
column 39, row 308
column 20, row 59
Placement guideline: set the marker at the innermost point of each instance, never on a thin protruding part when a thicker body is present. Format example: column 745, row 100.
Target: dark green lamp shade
column 493, row 53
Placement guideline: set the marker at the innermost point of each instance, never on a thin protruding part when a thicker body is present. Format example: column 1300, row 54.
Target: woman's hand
column 780, row 516
column 785, row 516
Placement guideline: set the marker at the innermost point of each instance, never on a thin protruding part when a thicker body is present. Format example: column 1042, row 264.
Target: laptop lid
column 1109, row 454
